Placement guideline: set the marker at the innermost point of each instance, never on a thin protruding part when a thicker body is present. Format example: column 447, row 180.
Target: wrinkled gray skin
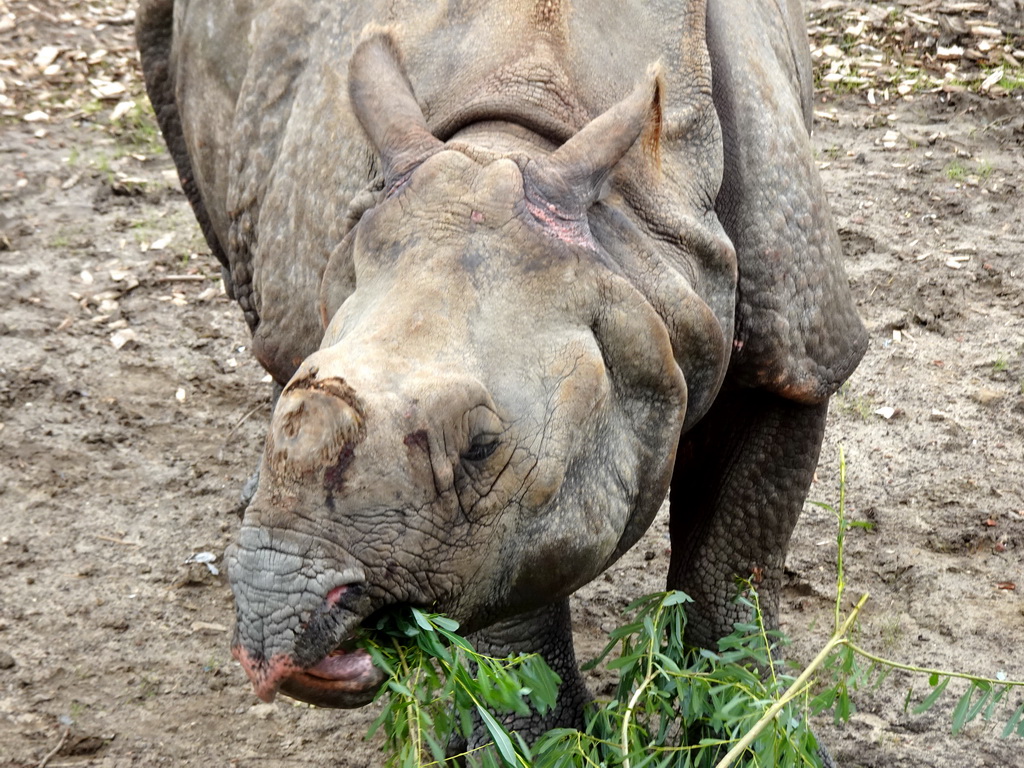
column 520, row 267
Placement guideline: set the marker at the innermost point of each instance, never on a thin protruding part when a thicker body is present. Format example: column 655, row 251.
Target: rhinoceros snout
column 294, row 617
column 364, row 491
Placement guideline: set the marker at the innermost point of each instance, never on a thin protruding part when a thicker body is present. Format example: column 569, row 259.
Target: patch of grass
column 137, row 130
column 213, row 664
column 847, row 42
column 1012, row 80
column 93, row 107
column 956, row 170
column 860, row 406
column 892, row 633
column 76, row 710
column 146, row 230
column 912, row 78
column 999, row 365
column 103, row 164
column 983, row 169
column 148, row 687
column 844, row 86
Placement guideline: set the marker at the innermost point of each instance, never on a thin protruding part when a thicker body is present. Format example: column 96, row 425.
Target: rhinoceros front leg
column 547, row 631
column 740, row 481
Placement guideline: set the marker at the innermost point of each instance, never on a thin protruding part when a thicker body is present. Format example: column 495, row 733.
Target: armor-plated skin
column 519, row 266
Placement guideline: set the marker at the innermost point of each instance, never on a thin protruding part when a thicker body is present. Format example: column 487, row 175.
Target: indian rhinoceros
column 523, row 268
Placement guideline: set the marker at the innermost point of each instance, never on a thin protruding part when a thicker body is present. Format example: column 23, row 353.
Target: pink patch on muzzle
column 266, row 675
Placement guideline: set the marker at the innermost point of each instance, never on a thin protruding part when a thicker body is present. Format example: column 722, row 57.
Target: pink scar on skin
column 571, row 231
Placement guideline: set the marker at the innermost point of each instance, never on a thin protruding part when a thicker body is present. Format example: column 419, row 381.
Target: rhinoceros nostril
column 335, row 596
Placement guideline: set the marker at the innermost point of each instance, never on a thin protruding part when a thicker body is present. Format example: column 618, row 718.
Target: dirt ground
column 131, row 413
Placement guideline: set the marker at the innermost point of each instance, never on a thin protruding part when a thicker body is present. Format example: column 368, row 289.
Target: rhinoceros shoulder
column 797, row 330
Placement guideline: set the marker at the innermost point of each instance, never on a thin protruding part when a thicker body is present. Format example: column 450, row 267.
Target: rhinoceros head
column 491, row 418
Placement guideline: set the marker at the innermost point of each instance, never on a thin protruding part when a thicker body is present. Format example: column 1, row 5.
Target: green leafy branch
column 983, row 696
column 678, row 705
column 674, row 705
column 438, row 684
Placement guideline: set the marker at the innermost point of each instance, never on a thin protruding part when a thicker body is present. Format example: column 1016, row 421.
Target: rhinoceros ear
column 572, row 177
column 383, row 100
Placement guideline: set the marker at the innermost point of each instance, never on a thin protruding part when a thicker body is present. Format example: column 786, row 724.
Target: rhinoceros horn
column 383, row 100
column 316, row 421
column 572, row 177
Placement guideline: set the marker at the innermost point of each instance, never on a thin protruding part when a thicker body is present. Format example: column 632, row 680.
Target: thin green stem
column 629, row 715
column 796, row 689
column 927, row 670
column 639, row 691
column 764, row 637
column 840, row 539
column 452, row 758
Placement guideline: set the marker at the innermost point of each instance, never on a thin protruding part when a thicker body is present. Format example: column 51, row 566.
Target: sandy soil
column 131, row 413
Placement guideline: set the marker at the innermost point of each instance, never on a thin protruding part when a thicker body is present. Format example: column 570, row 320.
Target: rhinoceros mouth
column 327, row 666
column 344, row 678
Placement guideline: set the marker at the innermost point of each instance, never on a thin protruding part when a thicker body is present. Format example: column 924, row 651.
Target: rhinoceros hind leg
column 740, row 481
column 154, row 33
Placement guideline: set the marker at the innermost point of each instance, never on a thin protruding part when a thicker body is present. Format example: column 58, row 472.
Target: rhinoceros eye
column 481, row 447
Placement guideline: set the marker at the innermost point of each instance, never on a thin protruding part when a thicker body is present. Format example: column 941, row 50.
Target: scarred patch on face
column 416, row 439
column 334, row 477
column 555, row 223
